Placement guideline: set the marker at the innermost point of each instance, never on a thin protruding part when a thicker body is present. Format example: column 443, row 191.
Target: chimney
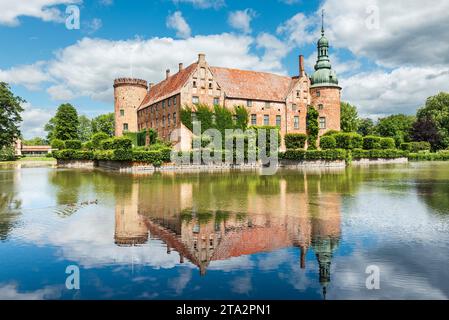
column 301, row 66
column 150, row 85
column 201, row 58
column 167, row 73
column 181, row 66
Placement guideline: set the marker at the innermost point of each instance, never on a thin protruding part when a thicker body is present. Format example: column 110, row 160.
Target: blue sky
column 389, row 57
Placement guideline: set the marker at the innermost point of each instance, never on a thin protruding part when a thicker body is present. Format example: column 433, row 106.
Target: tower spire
column 322, row 22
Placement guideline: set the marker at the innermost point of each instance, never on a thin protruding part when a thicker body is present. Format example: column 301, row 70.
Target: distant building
column 35, row 151
column 270, row 99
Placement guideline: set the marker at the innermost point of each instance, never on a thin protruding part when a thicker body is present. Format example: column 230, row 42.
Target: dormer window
column 194, row 84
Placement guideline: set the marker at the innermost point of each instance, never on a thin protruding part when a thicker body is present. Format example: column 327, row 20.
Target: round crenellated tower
column 128, row 95
column 324, row 90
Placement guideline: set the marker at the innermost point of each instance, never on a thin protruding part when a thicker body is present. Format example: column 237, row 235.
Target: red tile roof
column 168, row 87
column 252, row 84
column 35, row 148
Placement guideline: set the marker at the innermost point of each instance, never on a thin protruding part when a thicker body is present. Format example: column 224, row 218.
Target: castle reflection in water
column 190, row 218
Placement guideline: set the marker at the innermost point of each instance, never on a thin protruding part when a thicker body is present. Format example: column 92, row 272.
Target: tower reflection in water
column 256, row 214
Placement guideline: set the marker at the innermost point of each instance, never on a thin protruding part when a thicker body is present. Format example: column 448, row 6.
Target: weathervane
column 322, row 22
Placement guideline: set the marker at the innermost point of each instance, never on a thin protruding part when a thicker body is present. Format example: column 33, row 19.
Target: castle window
column 266, row 120
column 322, row 123
column 195, row 100
column 298, row 93
column 194, row 84
column 210, row 85
column 163, row 104
column 174, row 119
column 267, row 105
column 163, row 121
column 278, row 121
column 125, row 127
column 174, row 101
column 318, row 94
column 169, row 102
column 320, row 107
column 122, row 113
column 168, row 120
column 294, row 107
column 216, row 101
column 254, row 119
column 249, row 103
column 296, row 122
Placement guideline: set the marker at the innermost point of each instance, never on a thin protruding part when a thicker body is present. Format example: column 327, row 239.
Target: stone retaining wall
column 364, row 161
column 84, row 164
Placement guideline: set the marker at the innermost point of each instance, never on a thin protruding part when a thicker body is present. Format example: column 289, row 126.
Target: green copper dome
column 323, row 76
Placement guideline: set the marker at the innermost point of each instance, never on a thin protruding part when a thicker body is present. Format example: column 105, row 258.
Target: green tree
column 10, row 119
column 64, row 125
column 366, row 127
column 241, row 117
column 437, row 111
column 397, row 126
column 349, row 118
column 104, row 123
column 36, row 141
column 84, row 128
column 50, row 129
column 312, row 127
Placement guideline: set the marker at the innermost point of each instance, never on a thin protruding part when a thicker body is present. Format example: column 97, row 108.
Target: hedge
column 378, row 154
column 406, row 146
column 122, row 143
column 371, row 142
column 387, row 143
column 97, row 138
column 71, row 154
column 301, row 154
column 295, row 140
column 57, row 144
column 348, row 140
column 429, row 156
column 328, row 142
column 73, row 144
column 107, row 144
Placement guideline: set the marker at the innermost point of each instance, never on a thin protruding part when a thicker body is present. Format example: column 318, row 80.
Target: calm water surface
column 294, row 235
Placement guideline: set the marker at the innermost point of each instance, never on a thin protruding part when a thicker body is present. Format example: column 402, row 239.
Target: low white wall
column 86, row 164
column 364, row 161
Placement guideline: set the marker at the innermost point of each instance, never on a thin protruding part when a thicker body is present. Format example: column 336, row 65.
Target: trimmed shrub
column 88, row 145
column 428, row 156
column 295, row 140
column 71, row 154
column 104, row 155
column 73, row 144
column 371, row 142
column 330, row 133
column 328, row 142
column 301, row 154
column 122, row 154
column 420, row 146
column 98, row 138
column 57, row 144
column 348, row 140
column 378, row 154
column 387, row 143
column 406, row 146
column 122, row 143
column 107, row 144
column 7, row 154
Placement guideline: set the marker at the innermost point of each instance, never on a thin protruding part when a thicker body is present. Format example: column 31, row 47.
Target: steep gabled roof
column 252, row 84
column 168, row 87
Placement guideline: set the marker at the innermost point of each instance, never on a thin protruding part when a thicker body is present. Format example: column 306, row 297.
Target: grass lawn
column 30, row 159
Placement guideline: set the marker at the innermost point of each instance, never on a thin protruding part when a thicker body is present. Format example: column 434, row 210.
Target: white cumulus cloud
column 46, row 10
column 177, row 22
column 241, row 19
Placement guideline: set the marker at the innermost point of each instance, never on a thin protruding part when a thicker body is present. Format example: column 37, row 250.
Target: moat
column 294, row 235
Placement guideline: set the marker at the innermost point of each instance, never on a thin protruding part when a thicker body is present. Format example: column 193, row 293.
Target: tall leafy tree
column 84, row 128
column 104, row 123
column 425, row 129
column 366, row 127
column 437, row 111
column 312, row 127
column 10, row 119
column 50, row 129
column 349, row 118
column 397, row 126
column 66, row 122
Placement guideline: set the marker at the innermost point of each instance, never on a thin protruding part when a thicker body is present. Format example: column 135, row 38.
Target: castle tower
column 324, row 89
column 128, row 95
